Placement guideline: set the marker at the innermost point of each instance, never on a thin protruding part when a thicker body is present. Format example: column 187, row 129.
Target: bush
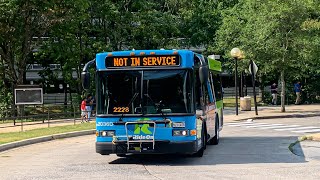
column 266, row 97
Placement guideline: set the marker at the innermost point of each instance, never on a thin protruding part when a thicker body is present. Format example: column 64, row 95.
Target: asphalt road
column 243, row 153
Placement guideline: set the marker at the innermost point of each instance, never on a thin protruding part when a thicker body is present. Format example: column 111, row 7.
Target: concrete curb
column 310, row 137
column 280, row 116
column 16, row 144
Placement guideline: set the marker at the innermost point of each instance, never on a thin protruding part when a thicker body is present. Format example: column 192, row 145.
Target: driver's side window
column 197, row 85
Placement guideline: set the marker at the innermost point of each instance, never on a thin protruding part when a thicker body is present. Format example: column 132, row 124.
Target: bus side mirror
column 203, row 74
column 85, row 79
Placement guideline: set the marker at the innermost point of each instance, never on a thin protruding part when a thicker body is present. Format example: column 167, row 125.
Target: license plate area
column 140, row 147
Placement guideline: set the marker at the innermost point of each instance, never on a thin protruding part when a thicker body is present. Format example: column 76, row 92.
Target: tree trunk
column 283, row 92
column 65, row 95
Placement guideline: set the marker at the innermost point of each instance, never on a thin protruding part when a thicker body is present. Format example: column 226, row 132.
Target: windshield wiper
column 132, row 99
column 157, row 106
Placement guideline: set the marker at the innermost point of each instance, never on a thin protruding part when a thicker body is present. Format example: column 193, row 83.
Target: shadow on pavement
column 307, row 149
column 231, row 150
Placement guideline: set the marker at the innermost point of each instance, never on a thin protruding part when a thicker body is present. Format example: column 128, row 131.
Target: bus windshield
column 145, row 92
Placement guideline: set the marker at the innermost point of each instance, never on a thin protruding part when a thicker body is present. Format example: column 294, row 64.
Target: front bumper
column 161, row 147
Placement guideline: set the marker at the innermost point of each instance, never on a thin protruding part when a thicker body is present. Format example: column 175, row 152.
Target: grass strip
column 231, row 102
column 18, row 136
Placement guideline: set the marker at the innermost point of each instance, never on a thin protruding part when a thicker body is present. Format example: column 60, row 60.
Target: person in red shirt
column 83, row 111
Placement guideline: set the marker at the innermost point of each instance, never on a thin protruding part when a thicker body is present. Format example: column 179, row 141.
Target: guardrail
column 31, row 115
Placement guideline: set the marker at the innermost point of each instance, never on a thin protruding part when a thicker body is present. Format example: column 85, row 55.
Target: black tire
column 216, row 138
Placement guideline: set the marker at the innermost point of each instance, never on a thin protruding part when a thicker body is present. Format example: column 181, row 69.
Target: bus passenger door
column 218, row 95
column 210, row 109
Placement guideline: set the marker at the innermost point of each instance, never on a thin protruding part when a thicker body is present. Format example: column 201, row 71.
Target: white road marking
column 307, row 131
column 266, row 125
column 237, row 125
column 297, row 128
column 277, row 127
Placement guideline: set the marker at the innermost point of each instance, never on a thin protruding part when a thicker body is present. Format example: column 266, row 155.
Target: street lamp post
column 236, row 54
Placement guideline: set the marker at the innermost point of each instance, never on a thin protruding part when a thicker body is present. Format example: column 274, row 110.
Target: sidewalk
column 9, row 127
column 269, row 112
column 264, row 112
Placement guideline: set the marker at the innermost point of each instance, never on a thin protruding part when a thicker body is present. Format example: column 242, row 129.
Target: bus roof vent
column 161, row 48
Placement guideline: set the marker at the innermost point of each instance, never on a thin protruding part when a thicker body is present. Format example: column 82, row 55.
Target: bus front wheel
column 216, row 138
column 203, row 142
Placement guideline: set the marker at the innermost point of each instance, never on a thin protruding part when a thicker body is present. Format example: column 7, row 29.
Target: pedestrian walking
column 93, row 106
column 297, row 90
column 89, row 106
column 83, row 110
column 274, row 93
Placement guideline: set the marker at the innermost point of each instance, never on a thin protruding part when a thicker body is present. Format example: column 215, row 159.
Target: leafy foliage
column 271, row 33
column 281, row 36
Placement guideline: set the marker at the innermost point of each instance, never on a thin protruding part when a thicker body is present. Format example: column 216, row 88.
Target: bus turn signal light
column 193, row 132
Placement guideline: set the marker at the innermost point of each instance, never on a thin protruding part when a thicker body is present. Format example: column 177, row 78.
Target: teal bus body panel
column 186, row 56
column 162, row 132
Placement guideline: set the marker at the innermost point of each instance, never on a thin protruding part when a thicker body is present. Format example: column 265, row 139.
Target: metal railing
column 32, row 115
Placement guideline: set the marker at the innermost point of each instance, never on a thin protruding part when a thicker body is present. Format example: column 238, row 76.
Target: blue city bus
column 156, row 102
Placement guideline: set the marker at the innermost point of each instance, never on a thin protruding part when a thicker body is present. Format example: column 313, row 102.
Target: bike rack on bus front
column 142, row 140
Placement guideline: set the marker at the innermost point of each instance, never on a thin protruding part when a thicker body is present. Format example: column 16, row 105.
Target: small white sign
column 255, row 68
column 104, row 124
column 141, row 137
column 28, row 96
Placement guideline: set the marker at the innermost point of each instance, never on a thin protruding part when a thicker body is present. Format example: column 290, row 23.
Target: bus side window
column 197, row 85
column 217, row 87
column 198, row 91
column 210, row 89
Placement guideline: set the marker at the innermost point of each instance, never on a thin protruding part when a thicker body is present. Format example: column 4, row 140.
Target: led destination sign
column 142, row 61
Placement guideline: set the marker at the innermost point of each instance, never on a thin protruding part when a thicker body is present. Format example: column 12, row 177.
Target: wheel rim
column 218, row 132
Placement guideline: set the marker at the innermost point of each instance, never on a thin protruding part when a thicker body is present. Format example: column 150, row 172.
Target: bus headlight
column 180, row 132
column 107, row 133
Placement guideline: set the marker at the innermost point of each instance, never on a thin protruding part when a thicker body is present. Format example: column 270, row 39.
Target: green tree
column 269, row 32
column 23, row 28
column 66, row 46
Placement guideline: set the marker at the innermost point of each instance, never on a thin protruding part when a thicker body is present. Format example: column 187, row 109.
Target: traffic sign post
column 253, row 70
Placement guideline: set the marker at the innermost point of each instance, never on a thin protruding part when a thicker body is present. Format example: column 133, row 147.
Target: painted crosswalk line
column 308, row 131
column 277, row 127
column 297, row 128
